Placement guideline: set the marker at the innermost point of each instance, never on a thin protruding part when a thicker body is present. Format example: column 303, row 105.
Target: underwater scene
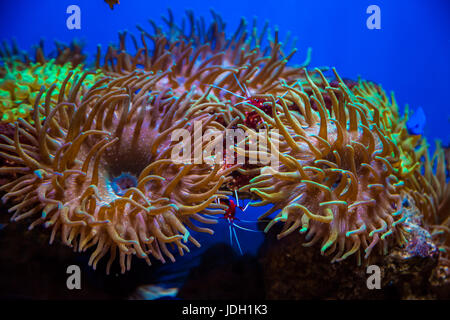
column 224, row 150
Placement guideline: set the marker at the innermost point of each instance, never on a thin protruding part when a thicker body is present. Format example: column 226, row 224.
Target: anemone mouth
column 125, row 162
column 122, row 183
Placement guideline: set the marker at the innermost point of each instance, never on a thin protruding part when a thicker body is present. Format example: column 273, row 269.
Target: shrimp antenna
column 246, row 229
column 234, row 94
column 237, row 200
column 281, row 96
column 240, row 86
column 284, row 94
column 237, row 197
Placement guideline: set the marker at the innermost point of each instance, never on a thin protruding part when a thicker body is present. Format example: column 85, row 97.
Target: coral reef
column 93, row 158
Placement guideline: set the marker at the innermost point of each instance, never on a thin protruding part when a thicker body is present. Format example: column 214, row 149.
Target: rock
column 292, row 271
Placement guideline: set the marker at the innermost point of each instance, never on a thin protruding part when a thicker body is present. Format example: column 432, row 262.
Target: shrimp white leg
column 245, row 208
column 237, row 240
column 246, row 229
column 231, row 235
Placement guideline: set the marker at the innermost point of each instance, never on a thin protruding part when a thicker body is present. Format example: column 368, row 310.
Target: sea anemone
column 343, row 170
column 10, row 53
column 434, row 193
column 97, row 169
column 195, row 55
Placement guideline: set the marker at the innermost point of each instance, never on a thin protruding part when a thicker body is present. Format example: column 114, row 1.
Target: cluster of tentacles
column 345, row 167
column 98, row 169
column 93, row 162
column 203, row 56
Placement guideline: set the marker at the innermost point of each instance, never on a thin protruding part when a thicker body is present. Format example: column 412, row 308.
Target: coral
column 22, row 76
column 426, row 180
column 21, row 84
